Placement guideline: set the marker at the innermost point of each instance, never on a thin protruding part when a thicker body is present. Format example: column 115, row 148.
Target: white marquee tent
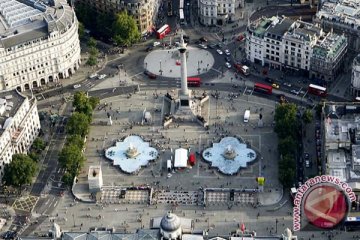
column 181, row 157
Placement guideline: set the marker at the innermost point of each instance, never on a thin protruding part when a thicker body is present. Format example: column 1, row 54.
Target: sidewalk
column 270, row 196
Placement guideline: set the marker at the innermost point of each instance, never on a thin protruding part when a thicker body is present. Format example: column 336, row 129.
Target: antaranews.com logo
column 323, row 202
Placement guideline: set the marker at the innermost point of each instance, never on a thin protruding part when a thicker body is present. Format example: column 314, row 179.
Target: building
column 338, row 144
column 169, row 227
column 282, row 43
column 144, row 12
column 342, row 17
column 39, row 43
column 216, row 12
column 328, row 54
column 19, row 125
column 355, row 77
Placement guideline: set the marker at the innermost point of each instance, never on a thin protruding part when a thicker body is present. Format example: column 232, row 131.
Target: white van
column 246, row 116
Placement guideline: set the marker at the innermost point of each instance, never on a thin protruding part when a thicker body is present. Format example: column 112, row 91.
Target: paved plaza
column 166, row 62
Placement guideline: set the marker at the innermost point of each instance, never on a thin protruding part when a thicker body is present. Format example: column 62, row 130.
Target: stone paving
column 164, row 62
column 177, row 197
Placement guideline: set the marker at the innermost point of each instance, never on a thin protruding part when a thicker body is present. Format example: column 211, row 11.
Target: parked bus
column 263, row 88
column 194, row 81
column 181, row 17
column 161, row 33
column 352, row 224
column 317, row 90
column 169, row 8
column 181, row 5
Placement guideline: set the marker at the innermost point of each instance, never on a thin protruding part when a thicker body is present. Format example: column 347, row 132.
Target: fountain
column 132, row 152
column 229, row 153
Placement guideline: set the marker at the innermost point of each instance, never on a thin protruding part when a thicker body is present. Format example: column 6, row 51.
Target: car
column 307, row 163
column 275, row 85
column 150, row 74
column 287, row 84
column 269, row 80
column 202, row 46
column 94, row 75
column 156, row 44
column 293, row 91
column 227, row 59
column 77, row 86
column 211, row 46
column 306, row 156
column 149, row 49
column 102, row 76
column 219, row 51
column 228, row 65
column 227, row 52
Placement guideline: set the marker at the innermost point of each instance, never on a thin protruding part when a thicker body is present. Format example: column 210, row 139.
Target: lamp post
column 276, row 223
column 198, row 67
column 73, row 218
column 160, row 68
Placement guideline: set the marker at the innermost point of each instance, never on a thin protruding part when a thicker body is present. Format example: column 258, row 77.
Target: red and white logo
column 325, row 206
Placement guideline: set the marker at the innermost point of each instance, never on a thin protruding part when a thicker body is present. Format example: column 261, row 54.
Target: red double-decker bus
column 161, row 33
column 263, row 88
column 194, row 81
column 317, row 90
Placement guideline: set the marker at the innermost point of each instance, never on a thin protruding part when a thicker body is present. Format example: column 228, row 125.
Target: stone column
column 182, row 50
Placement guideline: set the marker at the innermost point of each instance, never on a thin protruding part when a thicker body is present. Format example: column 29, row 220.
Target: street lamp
column 198, row 67
column 276, row 223
column 73, row 218
column 160, row 68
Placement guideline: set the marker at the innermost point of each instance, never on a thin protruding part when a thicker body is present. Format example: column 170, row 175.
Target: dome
column 170, row 222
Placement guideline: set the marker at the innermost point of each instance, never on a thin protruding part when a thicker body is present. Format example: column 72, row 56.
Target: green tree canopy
column 81, row 30
column 19, row 171
column 78, row 124
column 92, row 60
column 38, row 145
column 125, row 30
column 92, row 43
column 287, row 168
column 71, row 159
column 286, row 122
column 307, row 116
column 75, row 140
column 94, row 101
column 287, row 146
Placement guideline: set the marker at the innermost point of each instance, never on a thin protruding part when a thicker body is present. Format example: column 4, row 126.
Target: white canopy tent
column 181, row 157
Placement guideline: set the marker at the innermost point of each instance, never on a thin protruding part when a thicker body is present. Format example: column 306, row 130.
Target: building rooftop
column 329, row 46
column 260, row 26
column 278, row 30
column 304, row 32
column 344, row 11
column 22, row 21
column 342, row 140
column 13, row 101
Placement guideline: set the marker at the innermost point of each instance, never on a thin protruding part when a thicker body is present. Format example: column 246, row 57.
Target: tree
column 92, row 43
column 92, row 61
column 287, row 146
column 68, row 179
column 38, row 145
column 19, row 171
column 307, row 116
column 78, row 124
column 286, row 122
column 125, row 31
column 75, row 140
column 34, row 156
column 81, row 30
column 72, row 159
column 287, row 170
column 94, row 101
